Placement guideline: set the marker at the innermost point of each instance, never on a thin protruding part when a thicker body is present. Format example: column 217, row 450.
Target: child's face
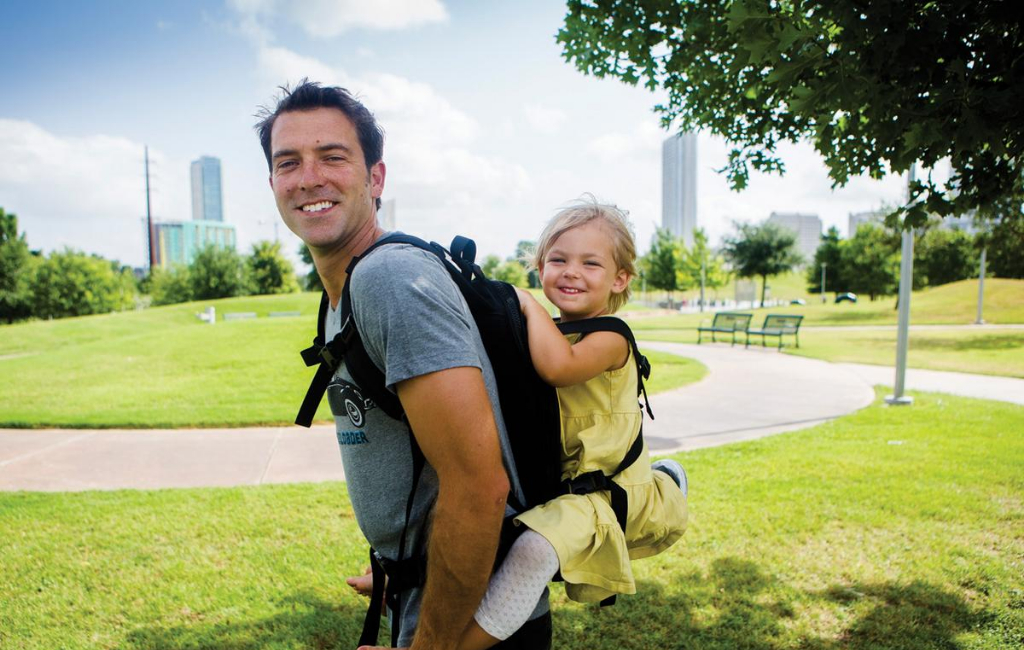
column 579, row 274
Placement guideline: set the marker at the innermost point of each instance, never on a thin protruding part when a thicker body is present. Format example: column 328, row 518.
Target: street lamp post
column 903, row 323
column 981, row 287
column 823, row 266
column 703, row 265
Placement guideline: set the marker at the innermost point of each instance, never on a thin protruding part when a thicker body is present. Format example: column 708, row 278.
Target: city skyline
column 489, row 145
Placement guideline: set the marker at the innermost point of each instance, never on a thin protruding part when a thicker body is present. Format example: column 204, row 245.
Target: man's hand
column 451, row 416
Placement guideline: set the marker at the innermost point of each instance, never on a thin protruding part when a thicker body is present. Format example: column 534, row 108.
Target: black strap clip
column 586, row 483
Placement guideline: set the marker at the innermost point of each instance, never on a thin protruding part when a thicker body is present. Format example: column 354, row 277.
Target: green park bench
column 725, row 323
column 777, row 325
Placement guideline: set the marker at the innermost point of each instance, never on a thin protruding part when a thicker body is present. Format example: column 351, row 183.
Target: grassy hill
column 163, row 367
column 950, row 304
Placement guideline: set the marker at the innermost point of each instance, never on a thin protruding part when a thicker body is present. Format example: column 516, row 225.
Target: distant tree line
column 868, row 262
column 71, row 283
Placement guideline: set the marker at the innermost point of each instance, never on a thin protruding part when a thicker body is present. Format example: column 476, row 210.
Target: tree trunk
column 764, row 287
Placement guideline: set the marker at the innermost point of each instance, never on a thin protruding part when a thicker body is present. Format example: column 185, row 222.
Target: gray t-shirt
column 413, row 321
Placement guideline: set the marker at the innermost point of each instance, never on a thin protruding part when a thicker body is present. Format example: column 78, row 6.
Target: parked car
column 846, row 297
column 798, row 301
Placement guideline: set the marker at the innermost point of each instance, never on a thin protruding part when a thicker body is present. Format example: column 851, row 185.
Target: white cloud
column 329, row 18
column 439, row 178
column 86, row 192
column 543, row 118
column 643, row 142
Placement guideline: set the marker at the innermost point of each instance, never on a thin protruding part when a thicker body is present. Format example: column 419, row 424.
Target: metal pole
column 981, row 286
column 823, row 266
column 903, row 326
column 703, row 264
column 149, row 215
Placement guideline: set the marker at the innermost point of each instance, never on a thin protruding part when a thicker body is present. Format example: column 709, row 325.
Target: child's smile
column 579, row 273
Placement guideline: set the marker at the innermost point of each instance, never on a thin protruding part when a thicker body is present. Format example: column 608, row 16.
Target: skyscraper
column 806, row 227
column 206, row 200
column 679, row 185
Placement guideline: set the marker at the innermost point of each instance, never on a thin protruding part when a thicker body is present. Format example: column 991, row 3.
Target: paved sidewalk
column 747, row 394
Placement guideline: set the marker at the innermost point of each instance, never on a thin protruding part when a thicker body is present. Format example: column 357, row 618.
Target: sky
column 489, row 131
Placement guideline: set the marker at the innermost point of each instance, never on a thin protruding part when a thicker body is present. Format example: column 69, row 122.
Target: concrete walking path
column 747, row 394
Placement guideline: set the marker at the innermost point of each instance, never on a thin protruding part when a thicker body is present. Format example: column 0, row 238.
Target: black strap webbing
column 606, row 324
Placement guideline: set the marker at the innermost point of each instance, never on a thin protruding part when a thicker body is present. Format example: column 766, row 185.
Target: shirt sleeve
column 412, row 318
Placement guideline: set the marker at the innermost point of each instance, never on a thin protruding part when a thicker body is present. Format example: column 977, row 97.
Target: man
column 325, row 152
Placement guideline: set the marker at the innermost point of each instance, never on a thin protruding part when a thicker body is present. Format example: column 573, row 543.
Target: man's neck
column 331, row 263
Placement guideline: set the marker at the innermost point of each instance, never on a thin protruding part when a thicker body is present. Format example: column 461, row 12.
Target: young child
column 586, row 258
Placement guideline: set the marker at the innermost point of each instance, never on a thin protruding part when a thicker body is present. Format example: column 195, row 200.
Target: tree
column 217, row 272
column 875, row 87
column 311, row 281
column 170, row 286
column 490, row 265
column 661, row 264
column 828, row 253
column 942, row 256
column 870, row 261
column 511, row 271
column 761, row 250
column 1005, row 249
column 16, row 264
column 70, row 283
column 700, row 255
column 268, row 271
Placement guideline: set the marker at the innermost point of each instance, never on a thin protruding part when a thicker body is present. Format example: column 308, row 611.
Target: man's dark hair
column 309, row 95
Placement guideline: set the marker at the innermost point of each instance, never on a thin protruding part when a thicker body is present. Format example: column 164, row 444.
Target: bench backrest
column 782, row 322
column 732, row 321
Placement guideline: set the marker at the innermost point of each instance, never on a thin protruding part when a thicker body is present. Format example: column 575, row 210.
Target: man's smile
column 318, row 206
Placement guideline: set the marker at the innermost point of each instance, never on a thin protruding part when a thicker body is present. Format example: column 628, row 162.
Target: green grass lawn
column 987, row 352
column 950, row 304
column 983, row 351
column 163, row 367
column 891, row 528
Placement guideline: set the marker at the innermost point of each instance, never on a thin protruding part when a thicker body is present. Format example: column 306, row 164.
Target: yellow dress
column 600, row 420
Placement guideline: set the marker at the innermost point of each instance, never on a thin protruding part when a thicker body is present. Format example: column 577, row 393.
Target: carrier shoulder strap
column 346, row 345
column 619, row 326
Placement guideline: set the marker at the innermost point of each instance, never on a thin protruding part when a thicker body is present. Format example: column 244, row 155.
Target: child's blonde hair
column 582, row 212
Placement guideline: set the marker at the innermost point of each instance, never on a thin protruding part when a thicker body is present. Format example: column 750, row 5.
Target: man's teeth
column 313, row 207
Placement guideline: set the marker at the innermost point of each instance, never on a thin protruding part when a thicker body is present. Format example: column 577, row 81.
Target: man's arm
column 452, row 419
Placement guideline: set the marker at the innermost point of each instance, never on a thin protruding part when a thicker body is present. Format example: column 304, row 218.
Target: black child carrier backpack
column 534, row 433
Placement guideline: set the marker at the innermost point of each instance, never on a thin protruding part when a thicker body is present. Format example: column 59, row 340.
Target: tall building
column 806, row 227
column 857, row 218
column 206, row 197
column 679, row 185
column 177, row 242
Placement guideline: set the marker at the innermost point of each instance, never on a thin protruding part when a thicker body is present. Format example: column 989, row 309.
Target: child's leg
column 513, row 592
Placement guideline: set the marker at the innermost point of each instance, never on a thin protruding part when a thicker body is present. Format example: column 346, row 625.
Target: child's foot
column 674, row 470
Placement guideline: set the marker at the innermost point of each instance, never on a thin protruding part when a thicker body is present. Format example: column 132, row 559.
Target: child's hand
column 524, row 298
column 363, row 584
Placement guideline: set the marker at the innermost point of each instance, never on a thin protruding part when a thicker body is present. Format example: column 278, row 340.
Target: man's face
column 323, row 190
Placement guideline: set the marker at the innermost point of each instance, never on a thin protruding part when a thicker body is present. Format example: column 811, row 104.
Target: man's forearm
column 461, row 552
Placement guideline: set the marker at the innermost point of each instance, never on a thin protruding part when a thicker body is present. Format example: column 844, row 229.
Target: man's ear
column 377, row 173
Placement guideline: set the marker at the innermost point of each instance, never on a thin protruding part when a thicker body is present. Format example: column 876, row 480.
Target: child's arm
column 557, row 361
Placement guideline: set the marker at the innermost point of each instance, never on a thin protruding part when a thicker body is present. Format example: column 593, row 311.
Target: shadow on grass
column 739, row 606
column 306, row 621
